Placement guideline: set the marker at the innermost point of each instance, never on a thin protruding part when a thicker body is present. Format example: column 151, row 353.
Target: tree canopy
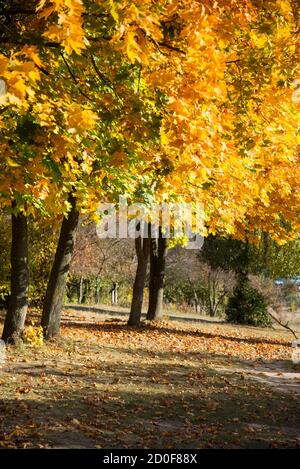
column 106, row 96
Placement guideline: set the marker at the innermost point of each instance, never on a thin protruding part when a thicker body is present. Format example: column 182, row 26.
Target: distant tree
column 227, row 254
column 246, row 305
column 98, row 263
column 276, row 261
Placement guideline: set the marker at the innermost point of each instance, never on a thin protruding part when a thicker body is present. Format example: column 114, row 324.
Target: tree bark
column 80, row 296
column 142, row 247
column 85, row 290
column 58, row 277
column 97, row 290
column 18, row 303
column 158, row 254
column 196, row 301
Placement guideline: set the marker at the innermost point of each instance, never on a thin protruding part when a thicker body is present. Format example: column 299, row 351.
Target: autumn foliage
column 161, row 101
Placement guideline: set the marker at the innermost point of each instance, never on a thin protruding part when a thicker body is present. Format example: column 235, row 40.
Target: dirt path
column 118, row 311
column 282, row 375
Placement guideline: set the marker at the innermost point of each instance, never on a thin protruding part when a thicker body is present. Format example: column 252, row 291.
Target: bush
column 33, row 335
column 247, row 306
column 4, row 295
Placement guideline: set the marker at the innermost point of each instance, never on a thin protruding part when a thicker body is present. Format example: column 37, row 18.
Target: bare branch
column 285, row 326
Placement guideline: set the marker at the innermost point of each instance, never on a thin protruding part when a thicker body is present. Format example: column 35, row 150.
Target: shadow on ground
column 90, row 390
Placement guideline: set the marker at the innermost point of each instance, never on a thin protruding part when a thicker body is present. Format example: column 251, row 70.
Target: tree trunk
column 85, row 290
column 116, row 294
column 58, row 277
column 196, row 301
column 158, row 253
column 18, row 303
column 80, row 296
column 97, row 291
column 142, row 246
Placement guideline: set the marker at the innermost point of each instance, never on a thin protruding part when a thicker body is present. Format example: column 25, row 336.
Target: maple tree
column 237, row 164
column 68, row 155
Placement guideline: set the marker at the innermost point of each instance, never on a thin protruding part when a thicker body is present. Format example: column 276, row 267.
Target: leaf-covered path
column 105, row 385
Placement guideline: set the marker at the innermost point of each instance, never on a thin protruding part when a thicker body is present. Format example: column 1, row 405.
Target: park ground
column 172, row 385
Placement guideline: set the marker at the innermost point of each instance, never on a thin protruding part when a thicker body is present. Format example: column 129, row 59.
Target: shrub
column 4, row 295
column 247, row 306
column 37, row 290
column 33, row 335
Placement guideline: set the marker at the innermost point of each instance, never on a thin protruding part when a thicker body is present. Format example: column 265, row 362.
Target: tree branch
column 285, row 326
column 101, row 75
column 170, row 47
column 74, row 78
